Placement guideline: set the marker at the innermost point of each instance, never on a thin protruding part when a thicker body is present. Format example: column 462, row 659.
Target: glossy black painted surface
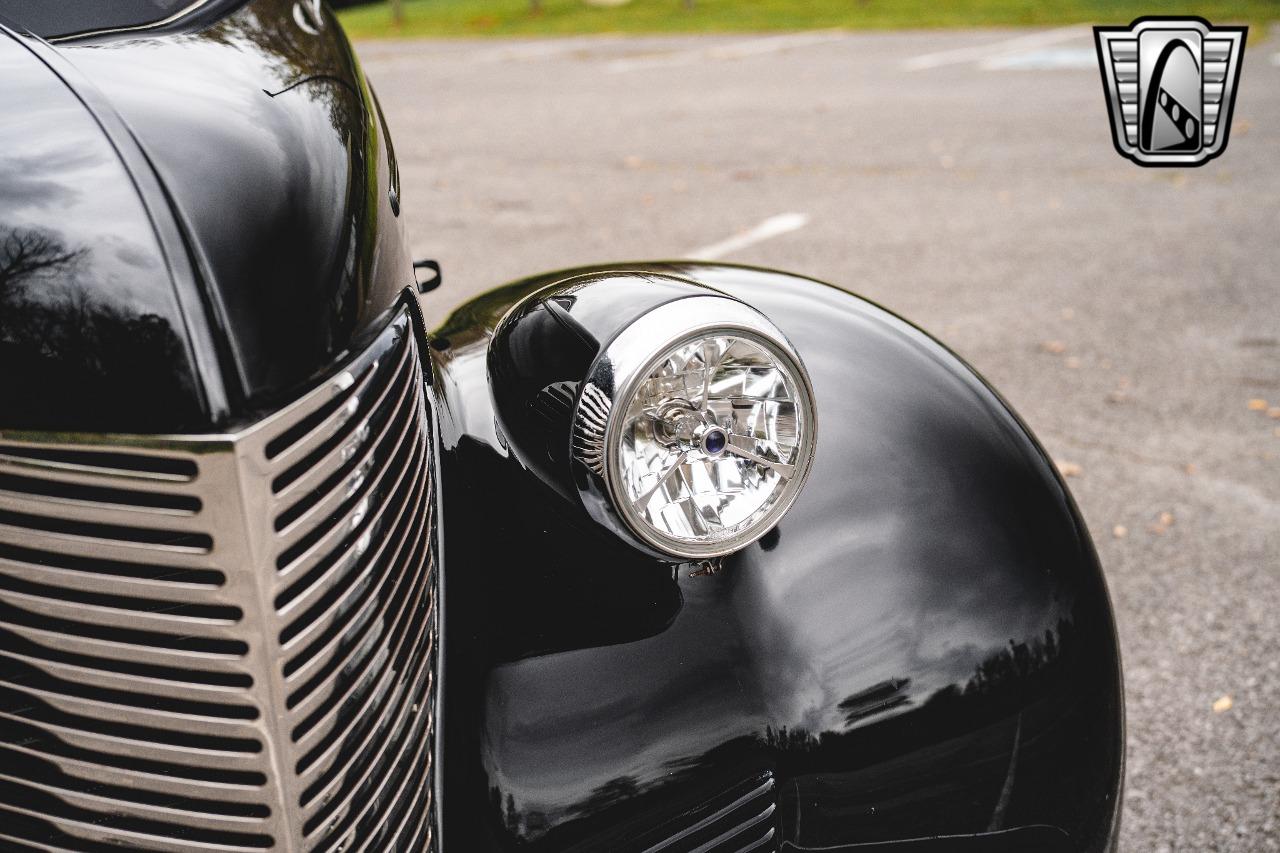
column 923, row 648
column 91, row 332
column 253, row 147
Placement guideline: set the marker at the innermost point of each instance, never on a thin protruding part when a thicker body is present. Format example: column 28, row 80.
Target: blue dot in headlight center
column 714, row 441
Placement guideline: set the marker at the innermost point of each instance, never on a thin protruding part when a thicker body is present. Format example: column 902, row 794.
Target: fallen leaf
column 1058, row 348
column 1257, row 404
column 1068, row 469
column 1073, row 362
column 1190, row 468
column 1119, row 531
column 1274, row 412
column 1162, row 523
column 633, row 161
column 1223, row 703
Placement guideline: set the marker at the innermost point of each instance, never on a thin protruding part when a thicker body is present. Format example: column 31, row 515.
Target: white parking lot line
column 981, row 52
column 737, row 50
column 1051, row 59
column 774, row 226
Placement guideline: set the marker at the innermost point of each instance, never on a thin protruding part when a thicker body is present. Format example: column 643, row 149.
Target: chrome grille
column 225, row 643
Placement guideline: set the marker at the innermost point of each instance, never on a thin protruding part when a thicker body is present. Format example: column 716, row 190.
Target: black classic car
column 675, row 556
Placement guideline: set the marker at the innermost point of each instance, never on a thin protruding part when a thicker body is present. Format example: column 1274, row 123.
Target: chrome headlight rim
column 612, row 383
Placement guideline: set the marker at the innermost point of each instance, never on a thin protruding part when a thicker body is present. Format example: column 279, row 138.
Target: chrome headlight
column 698, row 418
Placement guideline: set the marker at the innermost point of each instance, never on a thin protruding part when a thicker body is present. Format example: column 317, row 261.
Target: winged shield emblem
column 1170, row 85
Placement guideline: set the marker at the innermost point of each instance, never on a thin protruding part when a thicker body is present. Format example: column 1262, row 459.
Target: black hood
column 252, row 148
column 91, row 330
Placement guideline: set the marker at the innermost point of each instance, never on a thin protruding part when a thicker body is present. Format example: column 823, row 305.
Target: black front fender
column 922, row 649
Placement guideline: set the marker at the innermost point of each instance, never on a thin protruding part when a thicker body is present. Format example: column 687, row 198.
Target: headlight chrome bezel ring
column 612, row 384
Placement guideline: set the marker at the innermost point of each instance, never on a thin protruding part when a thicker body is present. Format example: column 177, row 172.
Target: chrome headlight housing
column 697, row 424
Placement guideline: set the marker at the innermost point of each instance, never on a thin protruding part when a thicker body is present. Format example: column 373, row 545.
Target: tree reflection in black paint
column 960, row 738
column 609, row 794
column 999, row 683
column 65, row 352
column 28, row 254
column 883, row 728
column 322, row 70
column 294, row 59
column 881, row 723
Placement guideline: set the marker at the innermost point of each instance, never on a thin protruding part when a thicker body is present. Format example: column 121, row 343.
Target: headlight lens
column 700, row 422
column 710, row 440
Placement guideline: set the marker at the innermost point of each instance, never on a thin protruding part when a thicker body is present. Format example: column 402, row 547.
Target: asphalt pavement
column 968, row 182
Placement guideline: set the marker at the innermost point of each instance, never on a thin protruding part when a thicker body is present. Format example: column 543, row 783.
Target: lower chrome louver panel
column 225, row 643
column 742, row 820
